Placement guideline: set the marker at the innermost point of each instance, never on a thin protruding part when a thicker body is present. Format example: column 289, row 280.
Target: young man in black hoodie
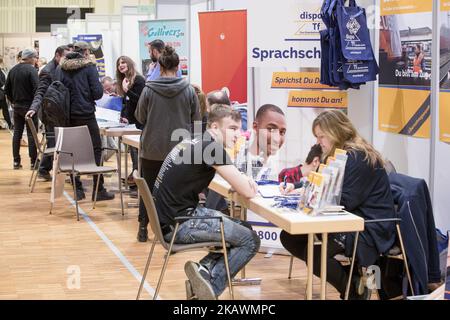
column 46, row 77
column 79, row 74
column 20, row 87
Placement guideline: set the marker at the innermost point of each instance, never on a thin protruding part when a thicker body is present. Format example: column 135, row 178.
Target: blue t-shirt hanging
column 355, row 36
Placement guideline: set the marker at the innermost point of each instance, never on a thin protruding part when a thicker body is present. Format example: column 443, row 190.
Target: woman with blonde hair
column 130, row 85
column 366, row 192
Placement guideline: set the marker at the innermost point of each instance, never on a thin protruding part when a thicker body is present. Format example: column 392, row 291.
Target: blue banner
column 96, row 43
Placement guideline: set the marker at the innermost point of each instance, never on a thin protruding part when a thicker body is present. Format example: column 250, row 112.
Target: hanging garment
column 354, row 34
column 348, row 60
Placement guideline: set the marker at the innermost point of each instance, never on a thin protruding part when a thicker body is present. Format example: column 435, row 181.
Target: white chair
column 75, row 157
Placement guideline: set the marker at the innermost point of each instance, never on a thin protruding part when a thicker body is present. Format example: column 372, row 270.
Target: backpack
column 56, row 105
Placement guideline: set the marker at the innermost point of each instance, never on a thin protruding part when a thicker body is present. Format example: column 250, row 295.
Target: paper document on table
column 110, row 124
column 269, row 191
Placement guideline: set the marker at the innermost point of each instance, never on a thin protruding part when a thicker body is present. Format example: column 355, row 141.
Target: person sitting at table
column 257, row 157
column 312, row 163
column 182, row 178
column 268, row 136
column 366, row 192
column 130, row 85
column 109, row 86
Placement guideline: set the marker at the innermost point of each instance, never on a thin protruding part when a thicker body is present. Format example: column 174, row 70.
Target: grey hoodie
column 166, row 104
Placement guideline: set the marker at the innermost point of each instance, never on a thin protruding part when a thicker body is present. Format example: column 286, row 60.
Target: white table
column 296, row 223
column 132, row 140
column 120, row 132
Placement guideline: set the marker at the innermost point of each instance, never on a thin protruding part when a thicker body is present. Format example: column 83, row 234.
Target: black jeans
column 6, row 116
column 337, row 275
column 150, row 170
column 47, row 161
column 19, row 126
column 134, row 153
column 96, row 143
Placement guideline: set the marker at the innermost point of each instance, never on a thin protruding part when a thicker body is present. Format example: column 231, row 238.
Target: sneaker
column 104, row 196
column 142, row 234
column 80, row 195
column 17, row 166
column 200, row 280
column 45, row 175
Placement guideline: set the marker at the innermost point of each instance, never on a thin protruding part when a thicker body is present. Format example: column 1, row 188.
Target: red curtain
column 223, row 37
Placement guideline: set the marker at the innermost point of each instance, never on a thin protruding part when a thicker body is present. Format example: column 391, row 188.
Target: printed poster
column 223, row 37
column 172, row 32
column 96, row 42
column 444, row 106
column 284, row 51
column 291, row 44
column 405, row 67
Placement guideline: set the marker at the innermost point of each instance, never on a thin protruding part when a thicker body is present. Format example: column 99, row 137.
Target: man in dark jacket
column 79, row 74
column 3, row 103
column 46, row 77
column 20, row 87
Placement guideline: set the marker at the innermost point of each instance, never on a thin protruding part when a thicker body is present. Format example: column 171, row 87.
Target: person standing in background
column 20, row 87
column 46, row 77
column 3, row 103
column 79, row 74
column 156, row 48
column 130, row 85
column 166, row 104
column 42, row 62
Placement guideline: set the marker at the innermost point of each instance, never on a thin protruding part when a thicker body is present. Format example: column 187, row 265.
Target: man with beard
column 156, row 48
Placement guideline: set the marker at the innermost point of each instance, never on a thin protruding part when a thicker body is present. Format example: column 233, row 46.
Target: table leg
column 119, row 165
column 127, row 187
column 323, row 267
column 309, row 289
column 244, row 281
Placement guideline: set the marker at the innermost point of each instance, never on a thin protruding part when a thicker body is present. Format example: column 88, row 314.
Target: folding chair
column 41, row 146
column 75, row 157
column 395, row 252
column 172, row 248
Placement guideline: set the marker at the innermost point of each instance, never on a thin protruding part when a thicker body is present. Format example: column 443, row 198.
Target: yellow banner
column 390, row 7
column 297, row 80
column 445, row 5
column 318, row 99
column 405, row 111
column 444, row 117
